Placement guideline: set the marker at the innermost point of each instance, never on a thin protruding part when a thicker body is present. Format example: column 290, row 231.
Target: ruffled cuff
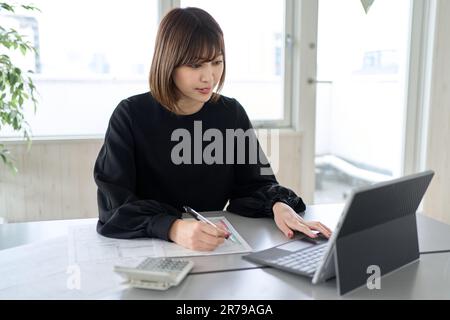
column 296, row 203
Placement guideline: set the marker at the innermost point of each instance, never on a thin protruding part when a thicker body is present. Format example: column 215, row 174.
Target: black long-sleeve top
column 141, row 190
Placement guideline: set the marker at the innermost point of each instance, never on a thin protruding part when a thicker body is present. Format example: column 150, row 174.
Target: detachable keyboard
column 303, row 261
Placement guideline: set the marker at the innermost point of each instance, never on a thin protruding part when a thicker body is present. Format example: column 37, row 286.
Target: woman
column 157, row 155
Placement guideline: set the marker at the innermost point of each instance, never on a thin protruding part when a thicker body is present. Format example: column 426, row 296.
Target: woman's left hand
column 288, row 221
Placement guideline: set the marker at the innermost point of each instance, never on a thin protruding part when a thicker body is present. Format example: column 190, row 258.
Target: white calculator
column 156, row 273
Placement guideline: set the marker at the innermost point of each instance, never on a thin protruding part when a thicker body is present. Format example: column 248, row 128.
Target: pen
column 199, row 217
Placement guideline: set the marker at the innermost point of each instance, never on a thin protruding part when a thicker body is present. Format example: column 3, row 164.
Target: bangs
column 204, row 46
column 186, row 36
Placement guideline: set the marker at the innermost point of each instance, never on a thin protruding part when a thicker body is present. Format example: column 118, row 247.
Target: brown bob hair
column 185, row 36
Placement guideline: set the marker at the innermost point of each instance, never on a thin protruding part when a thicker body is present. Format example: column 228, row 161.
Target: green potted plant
column 16, row 85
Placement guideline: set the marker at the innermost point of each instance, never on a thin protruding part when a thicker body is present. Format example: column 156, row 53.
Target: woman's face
column 196, row 82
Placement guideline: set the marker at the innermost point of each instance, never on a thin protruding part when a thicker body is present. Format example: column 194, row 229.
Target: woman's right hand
column 197, row 235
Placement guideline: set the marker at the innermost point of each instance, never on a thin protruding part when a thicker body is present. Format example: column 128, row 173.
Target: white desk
column 235, row 278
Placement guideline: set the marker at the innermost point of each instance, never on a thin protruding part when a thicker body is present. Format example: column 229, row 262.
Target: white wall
column 437, row 201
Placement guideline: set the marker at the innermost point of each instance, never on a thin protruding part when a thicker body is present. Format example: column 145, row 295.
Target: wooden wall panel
column 54, row 181
column 56, row 178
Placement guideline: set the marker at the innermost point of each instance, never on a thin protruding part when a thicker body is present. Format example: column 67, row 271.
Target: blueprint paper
column 40, row 271
column 87, row 246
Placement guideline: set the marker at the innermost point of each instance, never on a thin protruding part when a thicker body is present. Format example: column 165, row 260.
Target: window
column 95, row 53
column 254, row 44
column 92, row 55
column 361, row 96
